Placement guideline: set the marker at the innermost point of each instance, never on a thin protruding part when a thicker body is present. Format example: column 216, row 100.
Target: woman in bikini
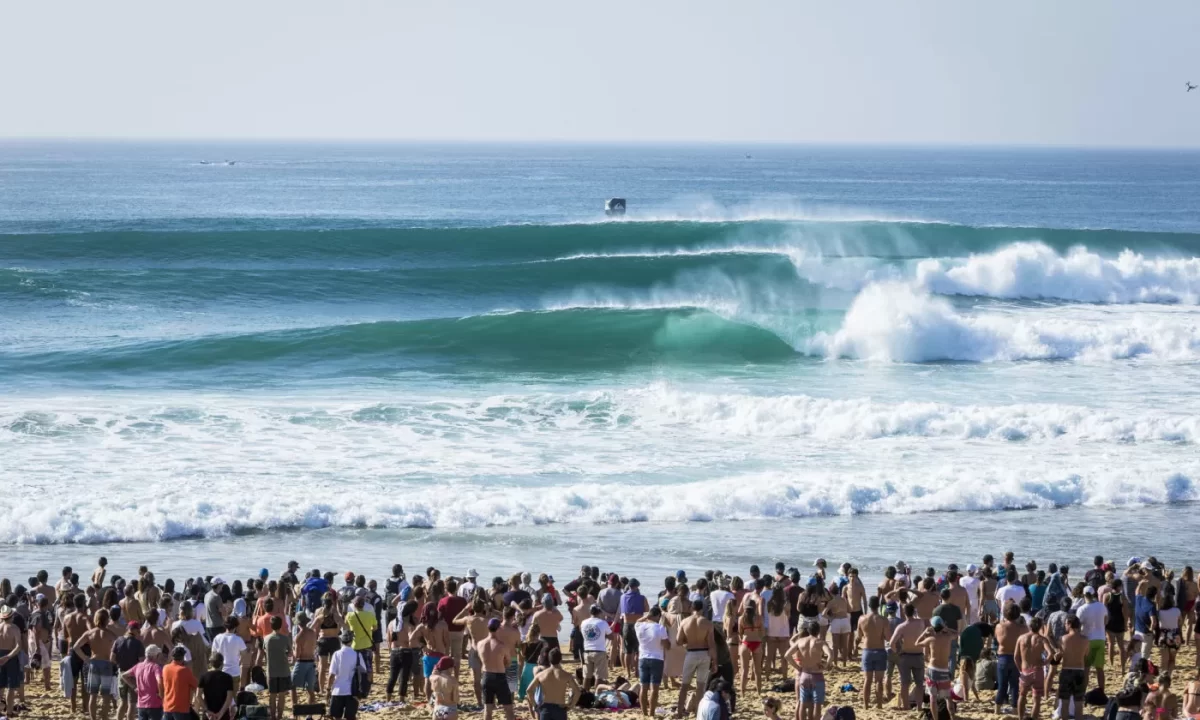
column 328, row 624
column 732, row 613
column 1168, row 638
column 404, row 650
column 1161, row 703
column 751, row 626
column 434, row 633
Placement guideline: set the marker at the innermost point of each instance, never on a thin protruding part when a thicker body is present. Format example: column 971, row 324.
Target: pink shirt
column 148, row 676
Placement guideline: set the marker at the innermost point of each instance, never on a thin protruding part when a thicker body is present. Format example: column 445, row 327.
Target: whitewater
column 454, row 354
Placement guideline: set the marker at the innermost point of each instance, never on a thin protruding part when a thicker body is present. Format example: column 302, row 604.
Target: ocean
column 216, row 357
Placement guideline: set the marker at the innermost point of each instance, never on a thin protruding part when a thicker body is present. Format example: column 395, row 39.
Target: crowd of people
column 150, row 651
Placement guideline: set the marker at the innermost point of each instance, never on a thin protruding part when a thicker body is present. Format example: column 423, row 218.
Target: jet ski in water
column 614, row 206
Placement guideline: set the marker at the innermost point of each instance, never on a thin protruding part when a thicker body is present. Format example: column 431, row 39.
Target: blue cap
column 264, row 573
column 893, row 606
column 679, row 574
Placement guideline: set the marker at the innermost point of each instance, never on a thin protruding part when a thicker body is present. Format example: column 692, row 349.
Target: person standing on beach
column 444, row 705
column 872, row 637
column 450, row 607
column 1008, row 633
column 696, row 636
column 304, row 668
column 653, row 641
column 214, row 609
column 277, row 649
column 595, row 631
column 1030, row 657
column 609, row 600
column 101, row 672
column 495, row 655
column 938, row 639
column 910, row 658
column 178, row 686
column 342, row 668
column 1072, row 679
column 217, row 689
column 127, row 652
column 559, row 690
column 806, row 656
column 11, row 673
column 1092, row 620
column 633, row 608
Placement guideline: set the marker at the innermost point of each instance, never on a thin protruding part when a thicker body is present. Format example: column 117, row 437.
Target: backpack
column 845, row 712
column 360, row 684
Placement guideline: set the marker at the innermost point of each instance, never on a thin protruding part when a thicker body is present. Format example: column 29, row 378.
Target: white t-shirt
column 192, row 627
column 1016, row 593
column 650, row 637
column 466, row 590
column 719, row 599
column 971, row 585
column 1167, row 619
column 595, row 633
column 231, row 648
column 1092, row 617
column 341, row 669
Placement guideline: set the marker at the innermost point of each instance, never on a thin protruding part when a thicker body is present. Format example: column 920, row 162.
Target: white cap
column 972, row 569
column 217, row 581
column 1089, row 590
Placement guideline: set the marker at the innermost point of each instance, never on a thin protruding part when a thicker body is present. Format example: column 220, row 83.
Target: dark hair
column 946, row 594
column 1012, row 611
column 231, row 623
column 217, row 661
column 910, row 610
column 276, row 622
column 1073, row 622
column 873, row 603
column 555, row 656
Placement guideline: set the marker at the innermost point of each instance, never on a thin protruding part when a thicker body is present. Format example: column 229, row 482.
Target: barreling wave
column 564, row 339
column 425, row 247
column 91, row 519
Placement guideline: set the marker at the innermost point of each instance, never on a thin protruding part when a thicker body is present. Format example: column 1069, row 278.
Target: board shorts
column 810, row 688
column 279, row 684
column 429, row 661
column 1034, row 680
column 650, row 671
column 550, row 711
column 102, row 677
column 473, row 661
column 938, row 681
column 874, row 660
column 495, row 689
column 445, row 712
column 11, row 674
column 839, row 626
column 629, row 635
column 1095, row 655
column 1072, row 684
column 304, row 675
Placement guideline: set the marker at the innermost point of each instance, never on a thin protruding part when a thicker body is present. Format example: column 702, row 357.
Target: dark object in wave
column 614, row 206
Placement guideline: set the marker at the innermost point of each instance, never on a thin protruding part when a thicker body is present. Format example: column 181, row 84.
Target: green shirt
column 278, row 646
column 362, row 624
column 970, row 643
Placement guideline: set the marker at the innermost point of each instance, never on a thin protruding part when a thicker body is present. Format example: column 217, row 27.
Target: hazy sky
column 1085, row 72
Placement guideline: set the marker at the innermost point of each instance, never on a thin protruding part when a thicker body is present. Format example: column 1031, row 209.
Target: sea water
column 216, row 357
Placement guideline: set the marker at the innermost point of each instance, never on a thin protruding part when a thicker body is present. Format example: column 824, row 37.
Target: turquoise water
column 451, row 349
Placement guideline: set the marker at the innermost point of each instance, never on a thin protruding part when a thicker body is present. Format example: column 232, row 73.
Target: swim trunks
column 495, row 689
column 874, row 660
column 811, row 688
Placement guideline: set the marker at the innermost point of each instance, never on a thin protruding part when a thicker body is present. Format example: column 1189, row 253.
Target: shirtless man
column 444, row 687
column 807, row 656
column 938, row 639
column 872, row 636
column 42, row 588
column 304, row 650
column 555, row 683
column 910, row 657
column 495, row 654
column 510, row 635
column 856, row 596
column 1007, row 634
column 837, row 610
column 100, row 572
column 1032, row 650
column 11, row 673
column 131, row 608
column 700, row 662
column 101, row 670
column 75, row 625
column 474, row 621
column 548, row 620
column 959, row 595
column 1072, row 679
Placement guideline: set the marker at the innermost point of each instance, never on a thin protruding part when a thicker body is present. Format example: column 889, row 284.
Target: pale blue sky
column 1061, row 72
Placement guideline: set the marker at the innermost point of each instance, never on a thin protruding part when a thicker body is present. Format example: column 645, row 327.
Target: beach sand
column 53, row 706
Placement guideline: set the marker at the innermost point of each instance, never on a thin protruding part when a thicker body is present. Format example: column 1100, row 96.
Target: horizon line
column 317, row 140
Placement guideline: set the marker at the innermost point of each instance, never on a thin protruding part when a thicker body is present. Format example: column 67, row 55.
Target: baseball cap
column 972, row 568
column 679, row 575
column 217, row 581
column 937, row 623
column 264, row 573
column 1089, row 590
column 819, row 562
column 444, row 664
column 493, row 624
column 1133, row 561
column 892, row 607
column 293, row 565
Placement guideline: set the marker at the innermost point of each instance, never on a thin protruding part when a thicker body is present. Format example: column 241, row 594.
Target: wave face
column 583, row 297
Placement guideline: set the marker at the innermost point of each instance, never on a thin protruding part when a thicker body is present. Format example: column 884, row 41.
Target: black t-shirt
column 516, row 596
column 216, row 686
column 950, row 614
column 19, row 620
column 128, row 651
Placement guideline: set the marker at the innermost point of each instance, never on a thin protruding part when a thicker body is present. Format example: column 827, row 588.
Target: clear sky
column 1059, row 72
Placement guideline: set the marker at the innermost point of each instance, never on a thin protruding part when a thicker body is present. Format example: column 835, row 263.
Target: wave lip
column 1033, row 270
column 768, row 495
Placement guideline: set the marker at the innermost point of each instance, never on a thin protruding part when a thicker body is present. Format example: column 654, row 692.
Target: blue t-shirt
column 1037, row 594
column 1143, row 610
